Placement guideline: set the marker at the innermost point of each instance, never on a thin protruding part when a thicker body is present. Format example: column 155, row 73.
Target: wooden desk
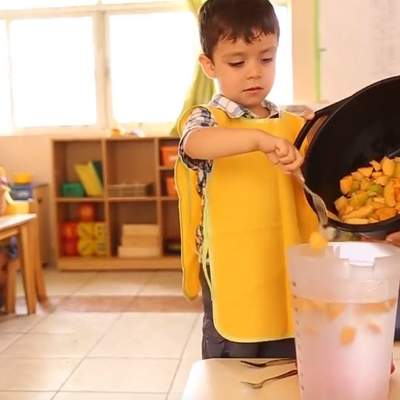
column 25, row 227
column 219, row 379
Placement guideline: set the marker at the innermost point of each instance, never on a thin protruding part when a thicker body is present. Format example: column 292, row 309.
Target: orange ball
column 87, row 212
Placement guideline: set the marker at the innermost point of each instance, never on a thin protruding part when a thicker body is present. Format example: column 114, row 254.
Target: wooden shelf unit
column 124, row 160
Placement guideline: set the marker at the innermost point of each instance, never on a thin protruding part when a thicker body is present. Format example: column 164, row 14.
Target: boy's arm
column 212, row 143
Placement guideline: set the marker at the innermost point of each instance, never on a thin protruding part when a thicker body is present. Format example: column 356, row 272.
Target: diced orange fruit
column 302, row 305
column 333, row 310
column 375, row 328
column 376, row 308
column 317, row 241
column 310, row 330
column 377, row 166
column 347, row 335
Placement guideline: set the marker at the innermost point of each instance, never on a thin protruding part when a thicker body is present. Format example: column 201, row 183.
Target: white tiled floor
column 100, row 356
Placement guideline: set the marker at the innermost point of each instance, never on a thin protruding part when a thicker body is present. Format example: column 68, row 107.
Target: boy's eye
column 267, row 60
column 236, row 64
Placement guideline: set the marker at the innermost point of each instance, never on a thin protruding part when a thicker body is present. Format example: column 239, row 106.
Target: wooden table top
column 220, row 379
column 11, row 221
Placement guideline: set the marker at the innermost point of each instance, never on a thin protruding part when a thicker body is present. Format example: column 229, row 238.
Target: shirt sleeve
column 199, row 118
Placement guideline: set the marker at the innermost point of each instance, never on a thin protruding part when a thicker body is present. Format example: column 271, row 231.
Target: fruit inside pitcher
column 340, row 348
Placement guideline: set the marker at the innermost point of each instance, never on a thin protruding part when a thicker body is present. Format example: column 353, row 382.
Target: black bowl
column 348, row 135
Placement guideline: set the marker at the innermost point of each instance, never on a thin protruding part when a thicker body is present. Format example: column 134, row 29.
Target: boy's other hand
column 308, row 113
column 394, row 238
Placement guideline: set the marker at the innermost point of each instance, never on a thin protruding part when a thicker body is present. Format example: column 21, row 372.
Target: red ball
column 70, row 247
column 87, row 212
column 69, row 230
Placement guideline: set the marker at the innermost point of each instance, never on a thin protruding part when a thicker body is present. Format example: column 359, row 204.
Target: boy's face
column 245, row 71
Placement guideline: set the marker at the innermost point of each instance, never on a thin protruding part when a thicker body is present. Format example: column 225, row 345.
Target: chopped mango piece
column 347, row 335
column 346, row 184
column 382, row 180
column 375, row 165
column 376, row 308
column 310, row 330
column 333, row 310
column 385, row 213
column 359, row 199
column 377, row 174
column 374, row 328
column 366, row 171
column 376, row 205
column 317, row 241
column 356, row 221
column 302, row 305
column 362, row 212
column 397, row 194
column 388, row 166
column 341, row 204
column 357, row 175
column 388, row 194
column 379, row 199
column 397, row 170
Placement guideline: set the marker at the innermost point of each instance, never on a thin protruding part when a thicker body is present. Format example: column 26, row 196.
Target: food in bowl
column 371, row 194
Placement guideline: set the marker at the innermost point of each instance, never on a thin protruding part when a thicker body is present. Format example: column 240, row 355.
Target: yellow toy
column 5, row 197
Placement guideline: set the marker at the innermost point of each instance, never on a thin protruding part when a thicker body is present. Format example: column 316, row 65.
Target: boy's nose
column 254, row 72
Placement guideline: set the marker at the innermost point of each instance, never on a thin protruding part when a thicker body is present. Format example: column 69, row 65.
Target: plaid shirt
column 202, row 118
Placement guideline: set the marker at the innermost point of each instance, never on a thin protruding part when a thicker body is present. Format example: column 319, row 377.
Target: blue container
column 21, row 192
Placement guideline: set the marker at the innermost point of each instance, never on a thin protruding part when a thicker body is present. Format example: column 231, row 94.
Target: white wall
column 360, row 40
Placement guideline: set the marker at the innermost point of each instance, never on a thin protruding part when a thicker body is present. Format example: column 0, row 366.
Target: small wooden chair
column 10, row 287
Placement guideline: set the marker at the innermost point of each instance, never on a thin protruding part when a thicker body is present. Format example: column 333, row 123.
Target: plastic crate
column 169, row 155
column 170, row 184
column 72, row 189
column 21, row 192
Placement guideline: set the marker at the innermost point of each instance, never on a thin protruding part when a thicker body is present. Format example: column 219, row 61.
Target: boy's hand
column 282, row 153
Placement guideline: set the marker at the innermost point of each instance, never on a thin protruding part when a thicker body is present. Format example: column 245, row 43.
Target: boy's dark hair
column 235, row 19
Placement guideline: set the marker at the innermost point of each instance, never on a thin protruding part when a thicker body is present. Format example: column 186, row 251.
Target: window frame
column 100, row 13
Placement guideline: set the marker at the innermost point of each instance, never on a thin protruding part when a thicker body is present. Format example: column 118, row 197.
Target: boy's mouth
column 253, row 89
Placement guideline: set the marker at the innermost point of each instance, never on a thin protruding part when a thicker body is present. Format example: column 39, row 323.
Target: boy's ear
column 207, row 66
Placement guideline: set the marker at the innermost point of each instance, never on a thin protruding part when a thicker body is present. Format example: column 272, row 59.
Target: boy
column 240, row 208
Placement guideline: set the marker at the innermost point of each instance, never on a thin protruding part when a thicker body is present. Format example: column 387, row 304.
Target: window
column 5, row 101
column 31, row 4
column 282, row 92
column 149, row 77
column 53, row 72
column 88, row 63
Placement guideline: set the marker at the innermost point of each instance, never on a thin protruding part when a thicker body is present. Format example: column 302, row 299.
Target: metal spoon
column 259, row 385
column 269, row 363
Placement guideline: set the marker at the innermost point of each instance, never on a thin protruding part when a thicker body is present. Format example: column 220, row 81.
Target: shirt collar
column 235, row 110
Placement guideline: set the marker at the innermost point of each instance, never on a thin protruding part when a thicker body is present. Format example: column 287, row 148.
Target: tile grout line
column 149, row 279
column 85, row 283
column 182, row 353
column 85, row 356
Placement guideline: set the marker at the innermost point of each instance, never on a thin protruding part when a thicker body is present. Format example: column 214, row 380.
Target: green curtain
column 202, row 88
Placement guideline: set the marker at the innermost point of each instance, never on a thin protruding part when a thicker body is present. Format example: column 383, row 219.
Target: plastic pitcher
column 344, row 302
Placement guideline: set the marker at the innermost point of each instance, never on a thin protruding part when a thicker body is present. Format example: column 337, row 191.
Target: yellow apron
column 253, row 213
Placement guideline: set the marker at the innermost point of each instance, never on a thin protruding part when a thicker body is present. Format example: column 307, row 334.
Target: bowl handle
column 320, row 115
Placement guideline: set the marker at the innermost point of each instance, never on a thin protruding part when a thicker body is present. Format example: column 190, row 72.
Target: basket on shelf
column 137, row 189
